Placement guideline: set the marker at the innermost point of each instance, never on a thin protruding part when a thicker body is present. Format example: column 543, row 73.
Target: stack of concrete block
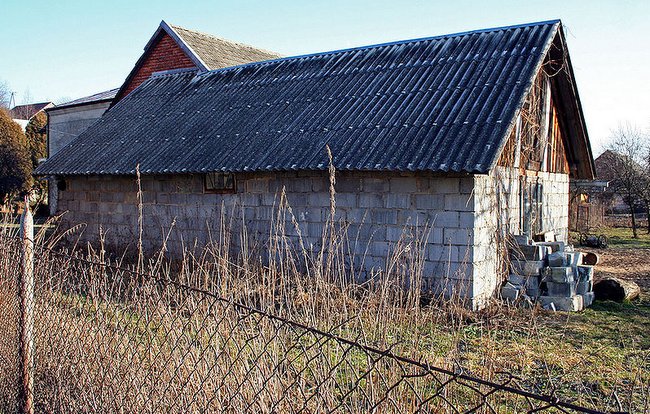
column 527, row 261
column 550, row 273
column 569, row 283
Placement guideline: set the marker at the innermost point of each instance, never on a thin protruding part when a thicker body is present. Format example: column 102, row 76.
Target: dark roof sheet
column 217, row 53
column 90, row 99
column 442, row 104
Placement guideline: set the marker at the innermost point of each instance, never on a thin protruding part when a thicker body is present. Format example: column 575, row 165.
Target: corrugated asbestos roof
column 97, row 97
column 219, row 53
column 442, row 104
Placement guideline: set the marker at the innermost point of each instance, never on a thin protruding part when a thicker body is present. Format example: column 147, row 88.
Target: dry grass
column 109, row 340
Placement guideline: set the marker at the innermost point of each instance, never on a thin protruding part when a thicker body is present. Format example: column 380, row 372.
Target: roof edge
column 395, row 42
column 524, row 97
column 184, row 46
column 579, row 111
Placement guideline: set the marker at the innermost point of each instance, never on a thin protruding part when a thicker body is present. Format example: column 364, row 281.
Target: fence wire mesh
column 110, row 339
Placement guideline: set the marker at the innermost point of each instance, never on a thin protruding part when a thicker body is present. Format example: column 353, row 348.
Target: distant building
column 22, row 114
column 473, row 135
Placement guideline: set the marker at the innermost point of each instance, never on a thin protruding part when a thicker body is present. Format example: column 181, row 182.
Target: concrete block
column 588, row 299
column 585, row 273
column 528, row 252
column 458, row 202
column 429, row 202
column 375, row 185
column 522, row 239
column 559, row 274
column 446, row 219
column 467, row 185
column 555, row 246
column 403, row 185
column 510, row 292
column 570, row 304
column 394, row 234
column 445, row 185
column 516, row 279
column 533, row 292
column 526, row 267
column 467, row 219
column 347, row 185
column 436, row 235
column 462, row 237
column 397, row 201
column 584, row 286
column 556, row 259
column 383, row 216
column 370, row 200
column 574, row 259
column 560, row 289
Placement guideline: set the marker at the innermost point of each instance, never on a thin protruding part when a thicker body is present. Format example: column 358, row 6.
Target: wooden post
column 26, row 290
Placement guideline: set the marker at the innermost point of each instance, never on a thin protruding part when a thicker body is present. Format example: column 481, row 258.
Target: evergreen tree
column 15, row 163
column 36, row 137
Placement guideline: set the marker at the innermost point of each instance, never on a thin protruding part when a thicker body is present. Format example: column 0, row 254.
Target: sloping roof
column 27, row 111
column 90, row 99
column 216, row 53
column 440, row 104
column 206, row 52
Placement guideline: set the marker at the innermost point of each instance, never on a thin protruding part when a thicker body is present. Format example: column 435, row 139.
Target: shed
column 472, row 135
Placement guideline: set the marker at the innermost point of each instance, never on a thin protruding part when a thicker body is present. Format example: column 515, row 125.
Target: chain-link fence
column 112, row 339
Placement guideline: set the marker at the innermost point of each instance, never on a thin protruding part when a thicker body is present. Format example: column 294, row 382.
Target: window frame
column 219, row 183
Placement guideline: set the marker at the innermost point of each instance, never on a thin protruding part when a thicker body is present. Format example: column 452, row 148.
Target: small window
column 61, row 185
column 219, row 183
column 531, row 207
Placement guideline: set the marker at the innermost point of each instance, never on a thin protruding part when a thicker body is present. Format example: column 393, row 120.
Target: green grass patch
column 623, row 237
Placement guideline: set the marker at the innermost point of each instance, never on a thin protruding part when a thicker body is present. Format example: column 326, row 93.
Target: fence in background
column 109, row 339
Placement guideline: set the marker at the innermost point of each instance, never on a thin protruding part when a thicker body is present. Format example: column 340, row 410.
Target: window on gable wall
column 218, row 182
column 531, row 206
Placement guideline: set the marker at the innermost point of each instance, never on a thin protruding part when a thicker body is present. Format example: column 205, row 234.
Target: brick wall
column 165, row 54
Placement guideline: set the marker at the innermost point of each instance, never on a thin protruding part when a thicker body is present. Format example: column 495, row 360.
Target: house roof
column 207, row 52
column 439, row 104
column 216, row 53
column 105, row 96
column 27, row 111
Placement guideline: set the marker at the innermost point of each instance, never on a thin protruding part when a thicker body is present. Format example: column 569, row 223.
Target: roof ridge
column 232, row 42
column 32, row 104
column 392, row 43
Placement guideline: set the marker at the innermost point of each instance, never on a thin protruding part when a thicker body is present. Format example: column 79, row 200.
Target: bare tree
column 5, row 94
column 644, row 182
column 627, row 145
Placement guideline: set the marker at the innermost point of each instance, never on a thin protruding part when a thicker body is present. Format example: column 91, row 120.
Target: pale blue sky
column 57, row 49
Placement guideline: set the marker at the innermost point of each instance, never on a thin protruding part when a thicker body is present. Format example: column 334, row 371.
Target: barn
column 472, row 136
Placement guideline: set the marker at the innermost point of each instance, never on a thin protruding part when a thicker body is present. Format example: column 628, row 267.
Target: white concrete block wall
column 497, row 212
column 377, row 211
column 455, row 217
column 63, row 126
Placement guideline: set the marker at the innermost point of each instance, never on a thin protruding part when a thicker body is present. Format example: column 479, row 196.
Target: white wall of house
column 498, row 212
column 456, row 217
column 63, row 126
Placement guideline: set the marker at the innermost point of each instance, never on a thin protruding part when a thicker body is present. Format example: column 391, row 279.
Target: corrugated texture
column 100, row 96
column 440, row 104
column 219, row 53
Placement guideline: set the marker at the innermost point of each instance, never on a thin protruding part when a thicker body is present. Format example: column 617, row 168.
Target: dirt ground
column 625, row 263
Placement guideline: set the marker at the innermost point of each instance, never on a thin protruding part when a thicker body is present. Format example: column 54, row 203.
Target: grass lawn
column 620, row 237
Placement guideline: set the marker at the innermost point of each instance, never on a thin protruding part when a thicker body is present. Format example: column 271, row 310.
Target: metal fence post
column 26, row 321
